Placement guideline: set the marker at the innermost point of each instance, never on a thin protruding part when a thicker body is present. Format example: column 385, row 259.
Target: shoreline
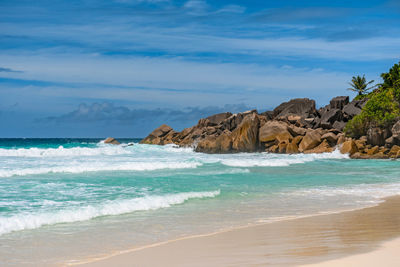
column 236, row 241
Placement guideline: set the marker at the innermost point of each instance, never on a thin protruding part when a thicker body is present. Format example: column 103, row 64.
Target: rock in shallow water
column 111, row 140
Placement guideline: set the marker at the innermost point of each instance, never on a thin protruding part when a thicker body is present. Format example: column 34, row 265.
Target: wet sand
column 317, row 239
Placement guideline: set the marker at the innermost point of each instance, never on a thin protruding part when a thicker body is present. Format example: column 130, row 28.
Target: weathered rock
column 372, row 150
column 349, row 147
column 111, row 140
column 302, row 107
column 297, row 140
column 292, row 148
column 341, row 139
column 339, row 125
column 339, row 102
column 377, row 136
column 295, row 131
column 329, row 117
column 396, row 130
column 272, row 129
column 360, row 144
column 285, row 137
column 155, row 136
column 379, row 155
column 351, row 110
column 207, row 145
column 168, row 138
column 392, row 141
column 245, row 136
column 269, row 114
column 218, row 118
column 282, row 147
column 359, row 155
column 324, row 147
column 273, row 149
column 394, row 150
column 213, row 144
column 330, row 137
column 293, row 118
column 363, row 138
column 310, row 140
column 384, row 150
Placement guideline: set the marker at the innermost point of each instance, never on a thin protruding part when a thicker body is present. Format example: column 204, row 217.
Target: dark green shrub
column 382, row 108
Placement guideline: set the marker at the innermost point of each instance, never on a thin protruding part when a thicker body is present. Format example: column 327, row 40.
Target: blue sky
column 120, row 68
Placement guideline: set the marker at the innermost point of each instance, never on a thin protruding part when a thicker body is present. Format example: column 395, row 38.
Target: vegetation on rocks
column 383, row 107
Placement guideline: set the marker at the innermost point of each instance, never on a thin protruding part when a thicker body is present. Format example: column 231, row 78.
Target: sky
column 85, row 68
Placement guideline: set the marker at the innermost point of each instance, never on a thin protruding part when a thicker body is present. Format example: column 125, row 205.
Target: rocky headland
column 293, row 127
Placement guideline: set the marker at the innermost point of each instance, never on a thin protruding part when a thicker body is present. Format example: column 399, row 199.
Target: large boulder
column 377, row 136
column 218, row 118
column 339, row 125
column 155, row 137
column 295, row 131
column 330, row 137
column 216, row 144
column 396, row 129
column 330, row 116
column 310, row 140
column 207, row 145
column 339, row 102
column 272, row 130
column 352, row 109
column 302, row 107
column 292, row 148
column 324, row 147
column 245, row 136
column 349, row 147
column 111, row 140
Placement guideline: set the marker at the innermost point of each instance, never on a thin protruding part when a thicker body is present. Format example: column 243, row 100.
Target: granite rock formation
column 295, row 126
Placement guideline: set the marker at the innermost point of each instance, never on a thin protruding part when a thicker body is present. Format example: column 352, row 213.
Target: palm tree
column 359, row 84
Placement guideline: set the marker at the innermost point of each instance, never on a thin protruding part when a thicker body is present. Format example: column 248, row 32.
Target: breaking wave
column 114, row 207
column 275, row 160
column 95, row 167
column 64, row 152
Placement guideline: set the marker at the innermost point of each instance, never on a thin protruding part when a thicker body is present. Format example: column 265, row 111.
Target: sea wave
column 65, row 152
column 373, row 191
column 279, row 160
column 96, row 167
column 115, row 207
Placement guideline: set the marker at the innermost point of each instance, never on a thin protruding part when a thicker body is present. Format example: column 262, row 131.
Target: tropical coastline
column 199, row 133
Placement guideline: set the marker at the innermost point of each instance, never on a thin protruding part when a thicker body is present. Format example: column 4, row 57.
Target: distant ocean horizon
column 87, row 198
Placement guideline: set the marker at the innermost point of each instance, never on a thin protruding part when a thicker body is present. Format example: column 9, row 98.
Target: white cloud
column 192, row 39
column 173, row 81
column 232, row 9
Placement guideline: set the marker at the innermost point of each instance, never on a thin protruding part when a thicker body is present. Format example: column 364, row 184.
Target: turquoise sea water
column 63, row 200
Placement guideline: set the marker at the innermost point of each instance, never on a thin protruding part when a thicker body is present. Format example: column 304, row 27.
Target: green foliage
column 360, row 85
column 391, row 79
column 356, row 127
column 382, row 108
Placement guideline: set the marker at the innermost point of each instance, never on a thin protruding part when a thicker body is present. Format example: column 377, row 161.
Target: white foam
column 64, row 152
column 276, row 160
column 116, row 207
column 94, row 167
column 34, row 161
column 373, row 191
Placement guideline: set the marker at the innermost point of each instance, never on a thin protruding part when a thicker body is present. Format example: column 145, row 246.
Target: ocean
column 67, row 200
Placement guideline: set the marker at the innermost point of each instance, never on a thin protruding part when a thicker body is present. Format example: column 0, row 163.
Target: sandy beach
column 353, row 238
